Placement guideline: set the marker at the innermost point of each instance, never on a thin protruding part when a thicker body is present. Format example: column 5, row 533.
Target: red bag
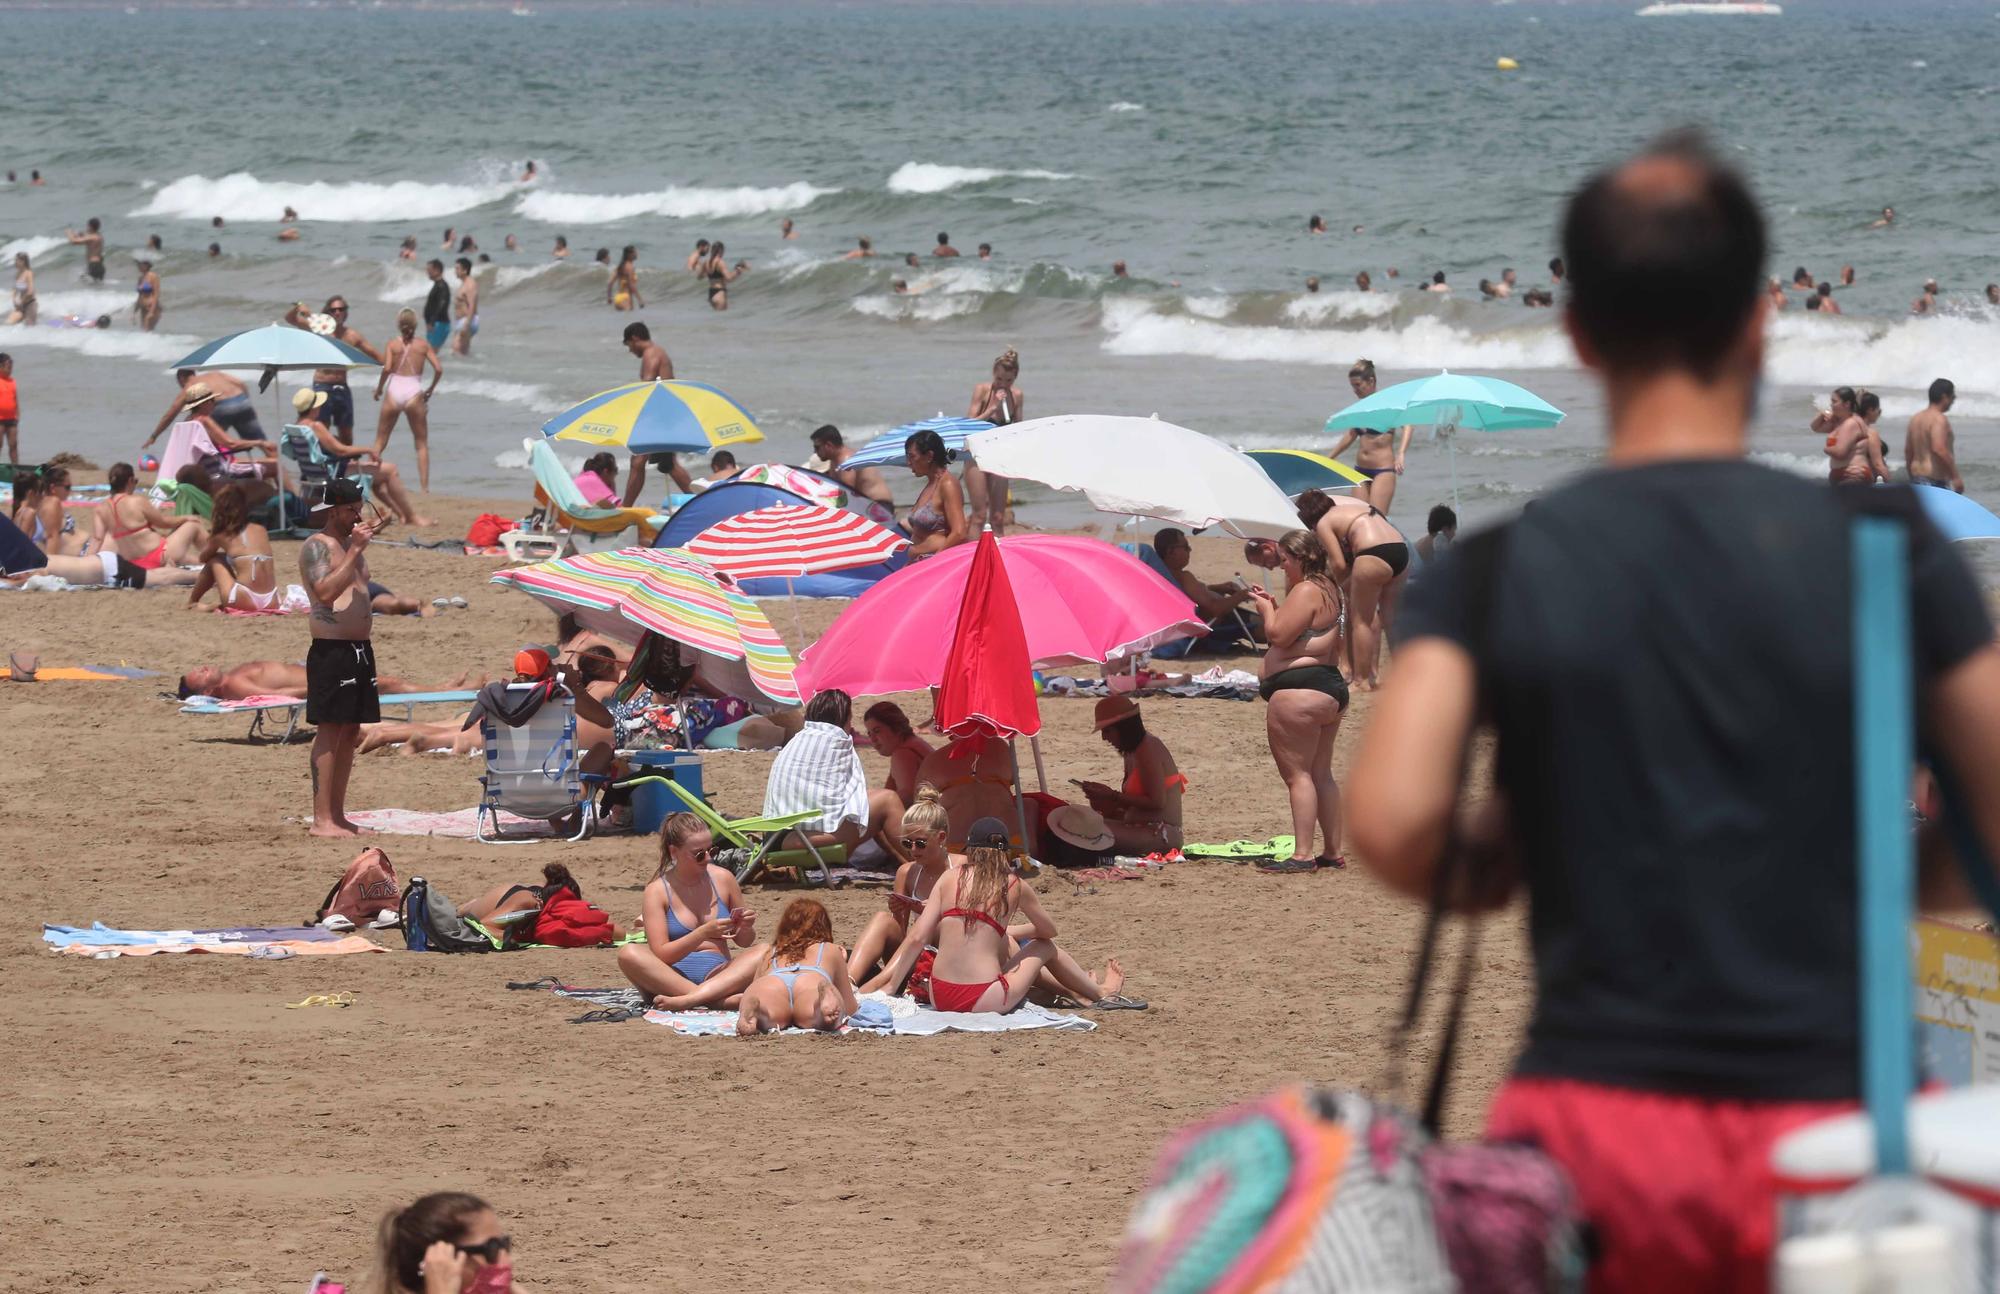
column 568, row 922
column 487, row 529
column 364, row 891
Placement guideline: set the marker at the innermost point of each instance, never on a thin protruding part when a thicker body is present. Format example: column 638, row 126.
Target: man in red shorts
column 1664, row 649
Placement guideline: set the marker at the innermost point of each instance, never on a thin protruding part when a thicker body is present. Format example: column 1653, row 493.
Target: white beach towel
column 818, row 770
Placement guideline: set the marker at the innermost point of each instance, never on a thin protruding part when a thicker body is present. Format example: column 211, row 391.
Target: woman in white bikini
column 402, row 381
column 24, row 291
column 132, row 526
column 237, row 561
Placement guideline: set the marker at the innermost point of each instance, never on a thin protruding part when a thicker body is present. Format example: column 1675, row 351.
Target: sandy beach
column 171, row 1116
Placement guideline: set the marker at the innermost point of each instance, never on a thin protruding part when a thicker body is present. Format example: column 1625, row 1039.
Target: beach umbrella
column 989, row 685
column 888, row 447
column 1142, row 466
column 668, row 591
column 1450, row 401
column 1081, row 600
column 792, row 540
column 1955, row 516
column 807, row 485
column 656, row 418
column 1297, row 470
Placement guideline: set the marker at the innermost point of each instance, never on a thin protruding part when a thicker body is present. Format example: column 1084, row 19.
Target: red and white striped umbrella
column 794, row 539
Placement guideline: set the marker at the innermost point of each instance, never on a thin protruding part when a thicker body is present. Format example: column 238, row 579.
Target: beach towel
column 460, row 824
column 818, row 770
column 906, row 1020
column 1239, row 850
column 71, row 674
column 1217, row 684
column 265, row 942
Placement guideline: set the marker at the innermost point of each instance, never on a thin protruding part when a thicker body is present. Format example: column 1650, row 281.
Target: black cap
column 987, row 833
column 339, row 493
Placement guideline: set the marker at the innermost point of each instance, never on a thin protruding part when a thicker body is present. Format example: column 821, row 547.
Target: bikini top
column 1135, row 782
column 980, row 914
column 926, row 517
column 676, row 928
column 124, row 534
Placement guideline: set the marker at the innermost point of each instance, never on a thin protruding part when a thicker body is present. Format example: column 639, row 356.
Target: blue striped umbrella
column 888, row 447
column 274, row 346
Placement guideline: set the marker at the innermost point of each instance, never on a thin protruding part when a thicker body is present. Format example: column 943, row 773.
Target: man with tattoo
column 340, row 665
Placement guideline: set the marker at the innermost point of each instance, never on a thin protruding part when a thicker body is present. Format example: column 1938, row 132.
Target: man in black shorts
column 340, row 665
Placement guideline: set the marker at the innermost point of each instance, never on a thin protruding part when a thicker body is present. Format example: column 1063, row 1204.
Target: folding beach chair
column 258, row 712
column 535, row 771
column 562, row 512
column 760, row 836
column 315, row 469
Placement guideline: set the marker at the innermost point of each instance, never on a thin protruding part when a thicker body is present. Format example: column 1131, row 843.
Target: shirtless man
column 654, row 366
column 1888, row 218
column 698, row 257
column 92, row 239
column 1854, row 456
column 1926, row 301
column 1827, row 305
column 863, row 249
column 232, row 407
column 465, row 308
column 279, row 678
column 1993, row 294
column 1928, row 453
column 340, row 666
column 333, row 381
column 1508, row 281
column 1218, row 604
column 864, row 481
column 944, row 247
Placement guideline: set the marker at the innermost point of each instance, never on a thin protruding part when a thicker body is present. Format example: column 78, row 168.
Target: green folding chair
column 760, row 836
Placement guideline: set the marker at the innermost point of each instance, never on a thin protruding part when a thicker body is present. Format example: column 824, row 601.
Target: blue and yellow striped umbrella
column 1297, row 470
column 656, row 418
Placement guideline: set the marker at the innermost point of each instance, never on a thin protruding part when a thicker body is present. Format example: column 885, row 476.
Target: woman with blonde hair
column 402, row 379
column 926, row 827
column 692, row 911
column 999, row 402
column 1305, row 696
column 237, row 561
column 793, row 991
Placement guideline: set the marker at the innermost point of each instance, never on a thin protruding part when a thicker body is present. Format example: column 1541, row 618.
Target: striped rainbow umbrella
column 807, row 485
column 794, row 539
column 656, row 418
column 671, row 592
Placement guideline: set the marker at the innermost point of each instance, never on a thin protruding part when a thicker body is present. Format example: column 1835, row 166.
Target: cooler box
column 651, row 803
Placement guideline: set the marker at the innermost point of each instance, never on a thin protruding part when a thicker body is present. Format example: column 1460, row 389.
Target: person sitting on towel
column 1144, row 814
column 277, row 678
column 818, row 769
column 692, row 911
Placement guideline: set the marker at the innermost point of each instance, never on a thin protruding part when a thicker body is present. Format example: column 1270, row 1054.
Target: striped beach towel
column 819, row 771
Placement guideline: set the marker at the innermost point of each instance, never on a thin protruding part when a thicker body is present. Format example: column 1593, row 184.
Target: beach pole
column 1020, row 800
column 1041, row 773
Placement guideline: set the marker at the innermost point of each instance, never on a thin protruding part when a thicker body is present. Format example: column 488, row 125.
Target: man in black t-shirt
column 1664, row 648
column 437, row 307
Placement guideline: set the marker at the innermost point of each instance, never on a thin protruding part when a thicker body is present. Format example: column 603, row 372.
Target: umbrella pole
column 1451, row 452
column 1041, row 773
column 278, row 458
column 1020, row 800
column 792, row 596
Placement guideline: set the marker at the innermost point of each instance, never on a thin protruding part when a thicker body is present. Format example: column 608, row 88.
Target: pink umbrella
column 794, row 539
column 1080, row 599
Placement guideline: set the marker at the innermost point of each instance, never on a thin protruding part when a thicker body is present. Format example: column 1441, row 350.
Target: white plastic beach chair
column 534, row 771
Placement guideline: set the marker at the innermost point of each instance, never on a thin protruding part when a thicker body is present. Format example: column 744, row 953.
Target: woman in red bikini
column 965, row 918
column 128, row 525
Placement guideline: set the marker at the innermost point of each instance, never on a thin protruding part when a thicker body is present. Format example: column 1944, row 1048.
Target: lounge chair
column 259, row 710
column 535, row 771
column 315, row 469
column 759, row 836
column 563, row 512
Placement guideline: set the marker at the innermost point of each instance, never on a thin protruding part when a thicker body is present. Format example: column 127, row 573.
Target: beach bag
column 486, row 530
column 364, row 891
column 567, row 921
column 430, row 923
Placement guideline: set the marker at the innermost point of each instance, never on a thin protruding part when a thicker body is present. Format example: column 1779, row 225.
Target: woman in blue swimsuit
column 805, row 985
column 693, row 911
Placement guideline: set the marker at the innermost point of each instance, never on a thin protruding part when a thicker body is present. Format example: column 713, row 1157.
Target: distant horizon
column 554, row 8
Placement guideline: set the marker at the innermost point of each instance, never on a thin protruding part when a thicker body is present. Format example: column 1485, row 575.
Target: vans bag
column 431, row 923
column 364, row 891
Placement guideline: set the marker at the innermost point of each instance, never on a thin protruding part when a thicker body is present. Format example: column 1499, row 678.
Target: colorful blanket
column 268, row 942
column 879, row 1014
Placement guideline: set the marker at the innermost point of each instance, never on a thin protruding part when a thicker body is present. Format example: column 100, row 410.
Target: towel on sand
column 99, row 941
column 458, row 824
column 904, row 1019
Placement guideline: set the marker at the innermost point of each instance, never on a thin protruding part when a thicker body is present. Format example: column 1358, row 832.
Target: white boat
column 1674, row 8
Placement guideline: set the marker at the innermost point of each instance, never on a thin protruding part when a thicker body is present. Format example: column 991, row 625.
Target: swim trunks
column 237, row 414
column 339, row 406
column 119, row 573
column 438, row 332
column 95, row 269
column 340, row 682
column 1938, row 481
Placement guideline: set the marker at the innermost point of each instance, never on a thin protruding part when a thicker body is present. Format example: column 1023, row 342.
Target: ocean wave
column 1137, row 328
column 1824, row 353
column 1318, row 307
column 931, row 177
column 402, row 282
column 1124, row 105
column 88, row 302
column 242, row 196
column 513, row 276
column 35, row 246
column 674, row 202
column 1215, row 307
column 155, row 347
column 1812, row 466
column 516, row 460
column 926, row 308
column 528, row 395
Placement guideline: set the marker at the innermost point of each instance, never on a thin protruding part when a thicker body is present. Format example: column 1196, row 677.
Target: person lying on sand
column 105, row 568
column 803, row 981
column 278, row 678
column 692, row 911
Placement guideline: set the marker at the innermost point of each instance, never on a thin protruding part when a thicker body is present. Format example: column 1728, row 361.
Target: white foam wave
column 513, row 276
column 931, row 177
column 1126, row 106
column 528, row 395
column 1904, row 355
column 674, row 202
column 88, row 302
column 34, row 246
column 1136, row 328
column 242, row 196
column 1318, row 307
column 1215, row 307
column 403, row 283
column 920, row 307
column 1812, row 466
column 515, row 460
column 159, row 348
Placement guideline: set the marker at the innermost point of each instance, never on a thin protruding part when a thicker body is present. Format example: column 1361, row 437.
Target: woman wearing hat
column 198, row 402
column 348, row 459
column 1144, row 814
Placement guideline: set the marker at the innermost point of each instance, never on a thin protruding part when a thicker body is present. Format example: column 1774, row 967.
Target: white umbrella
column 1141, row 466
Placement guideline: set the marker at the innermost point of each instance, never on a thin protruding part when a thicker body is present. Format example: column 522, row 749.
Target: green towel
column 1279, row 847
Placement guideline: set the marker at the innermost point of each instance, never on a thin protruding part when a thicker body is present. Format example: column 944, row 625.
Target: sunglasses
column 702, row 855
column 915, row 843
column 338, row 310
column 489, row 1251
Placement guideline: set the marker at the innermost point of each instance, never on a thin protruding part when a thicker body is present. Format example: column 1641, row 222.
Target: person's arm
column 980, row 394
column 1823, row 422
column 682, row 481
column 669, row 950
column 1962, row 714
column 1875, row 463
column 155, row 518
column 1347, row 438
column 740, row 913
column 326, row 575
column 922, row 932
column 1044, row 926
column 1284, row 622
column 1944, row 450
column 382, row 373
column 332, row 446
column 1336, row 553
column 296, row 316
column 167, row 419
column 842, row 983
column 1206, row 601
column 1403, row 446
column 437, row 371
column 951, row 499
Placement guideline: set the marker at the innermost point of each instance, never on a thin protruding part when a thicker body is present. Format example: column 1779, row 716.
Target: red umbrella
column 989, row 685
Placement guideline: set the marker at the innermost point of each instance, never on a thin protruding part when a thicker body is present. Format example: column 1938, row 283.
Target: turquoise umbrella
column 1956, row 516
column 1450, row 401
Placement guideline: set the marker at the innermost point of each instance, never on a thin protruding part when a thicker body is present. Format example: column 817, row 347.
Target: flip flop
column 545, row 982
column 1116, row 1002
column 323, row 999
column 608, row 1015
column 441, row 603
column 458, row 602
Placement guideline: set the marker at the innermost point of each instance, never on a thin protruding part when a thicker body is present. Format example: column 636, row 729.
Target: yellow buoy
column 1506, row 65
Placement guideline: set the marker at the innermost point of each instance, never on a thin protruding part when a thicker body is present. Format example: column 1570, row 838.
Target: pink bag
column 364, row 891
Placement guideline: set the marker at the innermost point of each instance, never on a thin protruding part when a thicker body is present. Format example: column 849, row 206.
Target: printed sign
column 1958, row 1003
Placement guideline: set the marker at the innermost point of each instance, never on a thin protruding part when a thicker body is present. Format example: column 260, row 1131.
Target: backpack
column 486, row 530
column 430, row 923
column 364, row 891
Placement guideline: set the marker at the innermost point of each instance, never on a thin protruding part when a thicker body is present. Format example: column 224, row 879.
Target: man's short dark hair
column 1867, row 402
column 638, row 332
column 1825, row 289
column 464, row 264
column 1556, row 266
column 830, row 706
column 944, row 239
column 436, row 264
column 1169, row 537
column 828, row 433
column 1442, row 518
column 1942, row 389
column 1627, row 232
column 1813, row 301
column 986, row 247
column 723, row 458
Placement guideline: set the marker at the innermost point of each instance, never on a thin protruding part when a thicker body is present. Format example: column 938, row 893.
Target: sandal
column 1288, row 866
column 1338, row 862
column 323, row 999
column 546, row 981
column 608, row 1015
column 1116, row 1002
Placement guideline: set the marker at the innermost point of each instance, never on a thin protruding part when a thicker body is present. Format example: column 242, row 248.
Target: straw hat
column 305, row 399
column 1082, row 827
column 198, row 393
column 1115, row 709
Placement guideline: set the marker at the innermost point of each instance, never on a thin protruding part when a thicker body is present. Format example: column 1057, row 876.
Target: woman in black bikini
column 1372, row 558
column 1306, row 697
column 720, row 275
column 1375, row 457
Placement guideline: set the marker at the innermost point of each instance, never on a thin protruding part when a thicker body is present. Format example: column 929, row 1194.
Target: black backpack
column 430, row 923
